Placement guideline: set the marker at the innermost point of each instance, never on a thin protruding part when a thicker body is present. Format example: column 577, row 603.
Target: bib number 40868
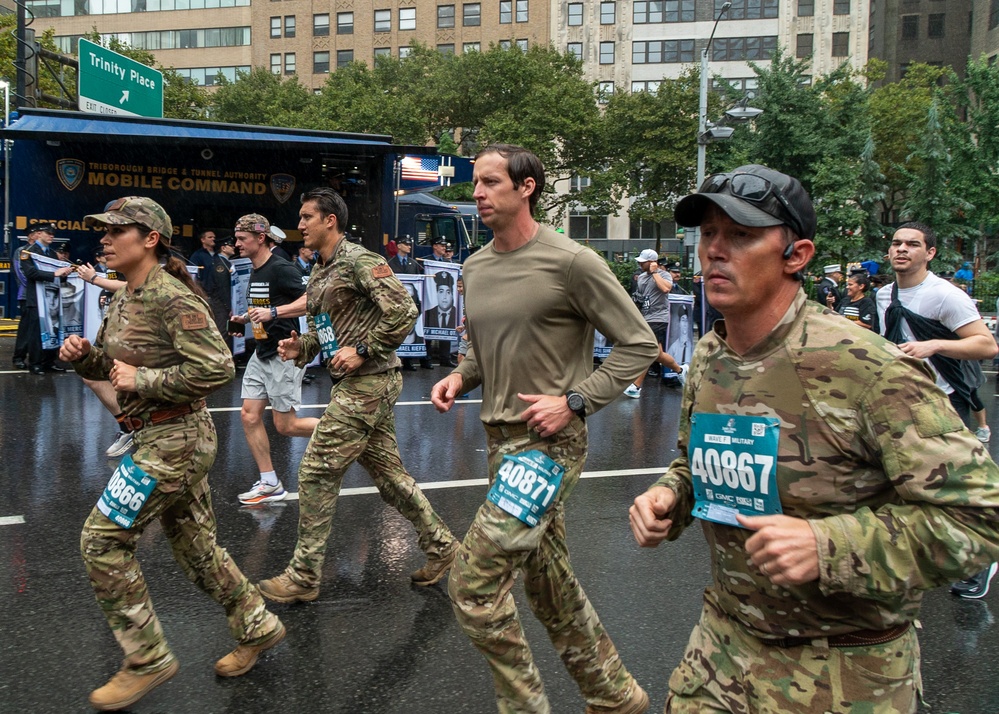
column 526, row 481
column 725, row 467
column 125, row 494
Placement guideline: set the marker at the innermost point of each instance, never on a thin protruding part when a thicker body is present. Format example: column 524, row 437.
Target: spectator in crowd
column 41, row 360
column 857, row 486
column 827, row 293
column 203, row 258
column 965, row 277
column 858, row 306
column 937, row 322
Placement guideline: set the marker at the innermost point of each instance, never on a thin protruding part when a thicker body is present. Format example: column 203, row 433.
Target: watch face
column 362, row 350
column 575, row 402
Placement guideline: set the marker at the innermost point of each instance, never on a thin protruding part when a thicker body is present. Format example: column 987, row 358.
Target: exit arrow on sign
column 111, row 83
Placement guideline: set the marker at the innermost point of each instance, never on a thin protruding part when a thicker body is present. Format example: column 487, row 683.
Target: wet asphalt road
column 372, row 643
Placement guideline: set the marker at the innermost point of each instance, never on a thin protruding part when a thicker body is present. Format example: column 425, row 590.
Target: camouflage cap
column 253, row 223
column 133, row 209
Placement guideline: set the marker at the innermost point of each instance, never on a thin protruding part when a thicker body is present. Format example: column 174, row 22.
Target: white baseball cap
column 647, row 256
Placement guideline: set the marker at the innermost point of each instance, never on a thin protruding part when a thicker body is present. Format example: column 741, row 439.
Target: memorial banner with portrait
column 680, row 333
column 415, row 344
column 442, row 304
column 60, row 303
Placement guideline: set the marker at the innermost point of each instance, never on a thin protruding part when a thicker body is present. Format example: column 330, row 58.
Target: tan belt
column 860, row 638
column 134, row 423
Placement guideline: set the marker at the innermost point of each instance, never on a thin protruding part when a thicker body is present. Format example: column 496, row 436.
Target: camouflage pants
column 496, row 548
column 358, row 424
column 178, row 455
column 725, row 669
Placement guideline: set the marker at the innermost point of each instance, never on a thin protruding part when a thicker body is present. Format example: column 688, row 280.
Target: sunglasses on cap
column 758, row 190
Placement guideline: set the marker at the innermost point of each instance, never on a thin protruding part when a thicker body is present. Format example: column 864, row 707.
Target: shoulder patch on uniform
column 194, row 321
column 381, row 271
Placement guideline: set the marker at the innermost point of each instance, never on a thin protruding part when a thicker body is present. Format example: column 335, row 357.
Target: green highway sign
column 111, row 83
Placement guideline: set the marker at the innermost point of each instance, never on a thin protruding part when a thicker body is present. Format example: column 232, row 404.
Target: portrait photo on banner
column 415, row 344
column 680, row 333
column 441, row 304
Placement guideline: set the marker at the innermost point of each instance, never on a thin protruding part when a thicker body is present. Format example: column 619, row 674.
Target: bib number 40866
column 528, row 482
column 735, row 471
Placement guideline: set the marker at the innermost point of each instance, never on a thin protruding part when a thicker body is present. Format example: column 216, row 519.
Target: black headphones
column 789, row 250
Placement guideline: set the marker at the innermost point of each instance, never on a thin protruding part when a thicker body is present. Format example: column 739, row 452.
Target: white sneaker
column 121, row 444
column 983, row 433
column 262, row 493
column 682, row 377
column 633, row 391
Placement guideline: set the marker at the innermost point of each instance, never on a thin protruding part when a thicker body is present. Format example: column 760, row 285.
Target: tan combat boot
column 241, row 660
column 437, row 566
column 126, row 688
column 284, row 589
column 637, row 703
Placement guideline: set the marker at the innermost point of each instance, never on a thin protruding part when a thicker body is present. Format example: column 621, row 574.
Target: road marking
column 11, row 520
column 464, row 483
column 323, row 406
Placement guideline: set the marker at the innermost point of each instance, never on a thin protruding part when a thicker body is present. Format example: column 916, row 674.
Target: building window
column 471, row 47
column 505, row 44
column 804, row 48
column 289, row 25
column 586, row 228
column 320, row 25
column 993, row 14
column 407, row 18
column 343, row 58
column 345, row 23
column 605, row 90
column 320, row 63
column 521, row 45
column 651, row 87
column 606, row 53
column 383, row 21
column 841, row 7
column 276, row 63
column 935, row 27
column 748, row 9
column 521, row 10
column 806, row 8
column 662, row 51
column 742, row 87
column 275, row 27
column 742, row 49
column 382, row 52
column 445, row 16
column 289, row 63
column 405, row 52
column 841, row 44
column 647, row 12
column 577, row 183
column 208, row 76
column 575, row 14
column 506, row 12
column 447, row 49
column 910, row 27
column 608, row 13
column 471, row 14
column 575, row 49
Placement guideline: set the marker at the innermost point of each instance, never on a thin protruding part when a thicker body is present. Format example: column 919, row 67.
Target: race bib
column 526, row 485
column 733, row 465
column 126, row 493
column 327, row 338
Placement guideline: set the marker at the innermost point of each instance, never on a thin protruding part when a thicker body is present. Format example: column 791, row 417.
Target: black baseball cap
column 752, row 195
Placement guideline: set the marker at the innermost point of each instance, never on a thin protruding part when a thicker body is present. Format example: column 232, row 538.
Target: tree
column 650, row 141
column 46, row 81
column 261, row 98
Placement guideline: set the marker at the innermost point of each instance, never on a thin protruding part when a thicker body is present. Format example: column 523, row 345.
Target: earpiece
column 789, row 250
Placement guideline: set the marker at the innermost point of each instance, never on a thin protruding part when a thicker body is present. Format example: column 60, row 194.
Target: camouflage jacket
column 900, row 495
column 366, row 303
column 168, row 333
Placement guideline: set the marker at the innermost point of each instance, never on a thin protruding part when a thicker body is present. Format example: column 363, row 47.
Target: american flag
column 420, row 168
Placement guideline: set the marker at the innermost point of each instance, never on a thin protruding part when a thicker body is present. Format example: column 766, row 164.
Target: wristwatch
column 361, row 349
column 576, row 403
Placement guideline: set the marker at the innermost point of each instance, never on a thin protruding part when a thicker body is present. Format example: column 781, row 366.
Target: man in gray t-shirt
column 652, row 290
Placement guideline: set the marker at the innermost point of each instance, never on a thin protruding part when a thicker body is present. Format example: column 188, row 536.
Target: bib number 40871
column 528, row 482
column 725, row 467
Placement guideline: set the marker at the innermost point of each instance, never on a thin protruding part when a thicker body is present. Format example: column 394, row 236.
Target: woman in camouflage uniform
column 162, row 352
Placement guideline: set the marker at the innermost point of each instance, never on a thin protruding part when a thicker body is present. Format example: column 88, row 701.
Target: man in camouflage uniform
column 534, row 298
column 362, row 313
column 163, row 354
column 876, row 489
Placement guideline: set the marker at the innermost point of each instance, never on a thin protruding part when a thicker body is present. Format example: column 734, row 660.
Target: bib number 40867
column 735, row 471
column 526, row 481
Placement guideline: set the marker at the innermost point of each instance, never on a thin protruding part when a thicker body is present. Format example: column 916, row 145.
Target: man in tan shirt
column 533, row 298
